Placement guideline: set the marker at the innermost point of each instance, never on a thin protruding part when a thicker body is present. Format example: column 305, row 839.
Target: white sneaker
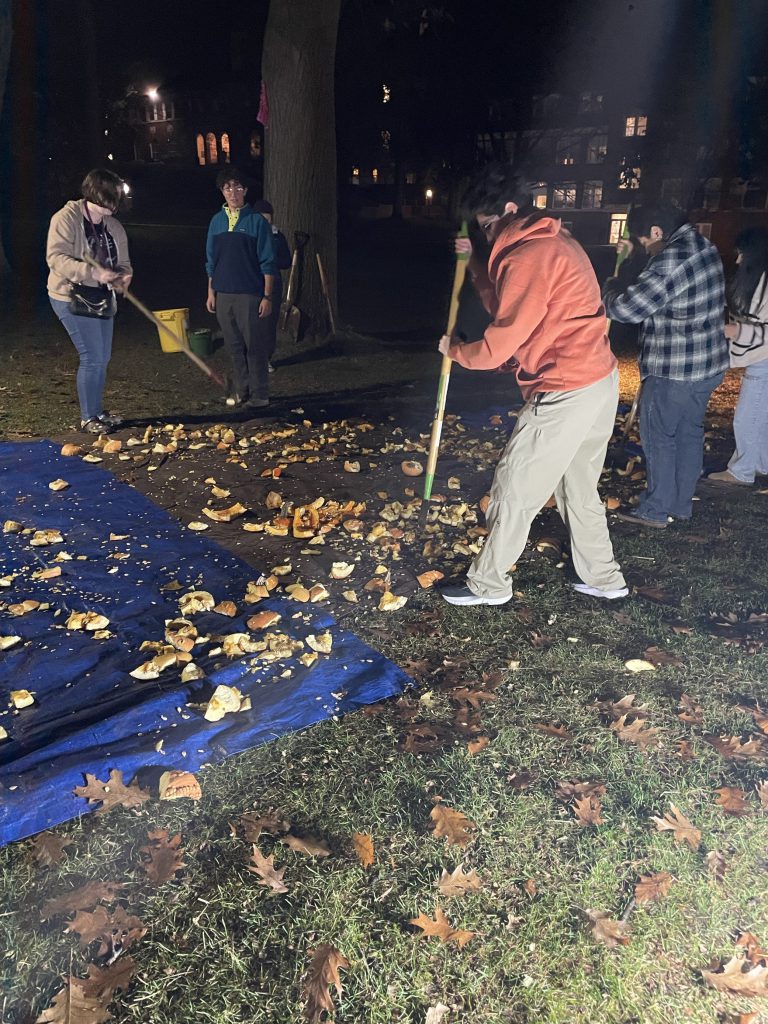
column 270, row 368
column 609, row 595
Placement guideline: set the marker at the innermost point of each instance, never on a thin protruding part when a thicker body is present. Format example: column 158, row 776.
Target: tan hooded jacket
column 66, row 245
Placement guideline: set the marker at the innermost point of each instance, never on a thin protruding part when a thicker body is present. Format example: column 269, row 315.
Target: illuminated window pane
column 375, row 174
column 211, row 149
column 593, row 195
column 225, row 147
column 618, row 220
column 642, row 124
column 255, row 145
column 630, row 126
column 540, row 196
column 564, row 195
column 597, row 149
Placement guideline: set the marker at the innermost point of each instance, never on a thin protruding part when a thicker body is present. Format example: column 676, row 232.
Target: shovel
column 326, row 295
column 290, row 314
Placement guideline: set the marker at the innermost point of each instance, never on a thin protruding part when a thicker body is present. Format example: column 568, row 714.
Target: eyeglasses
column 233, row 188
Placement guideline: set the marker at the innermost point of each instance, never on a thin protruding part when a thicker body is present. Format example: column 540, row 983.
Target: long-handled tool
column 324, row 286
column 445, row 370
column 290, row 314
column 201, row 364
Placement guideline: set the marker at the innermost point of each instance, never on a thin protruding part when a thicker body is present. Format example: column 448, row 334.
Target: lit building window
column 386, row 94
column 618, row 220
column 597, row 149
column 355, row 175
column 410, row 178
column 565, row 151
column 375, row 175
column 564, row 195
column 255, row 146
column 211, row 150
column 225, row 146
column 540, row 196
column 635, row 124
column 593, row 195
column 630, row 173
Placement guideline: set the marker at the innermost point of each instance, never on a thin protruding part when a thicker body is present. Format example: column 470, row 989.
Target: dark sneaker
column 257, row 403
column 110, row 419
column 459, row 593
column 636, row 519
column 94, row 426
column 608, row 595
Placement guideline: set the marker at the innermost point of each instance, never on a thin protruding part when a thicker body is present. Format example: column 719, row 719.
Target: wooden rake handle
column 200, row 363
column 445, row 369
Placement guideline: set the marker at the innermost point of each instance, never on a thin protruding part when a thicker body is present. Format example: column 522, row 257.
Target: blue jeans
column 750, row 425
column 672, row 433
column 93, row 340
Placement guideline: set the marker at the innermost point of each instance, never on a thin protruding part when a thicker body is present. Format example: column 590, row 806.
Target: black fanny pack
column 99, row 303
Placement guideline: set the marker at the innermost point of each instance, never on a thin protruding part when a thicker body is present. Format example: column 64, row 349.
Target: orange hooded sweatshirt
column 549, row 318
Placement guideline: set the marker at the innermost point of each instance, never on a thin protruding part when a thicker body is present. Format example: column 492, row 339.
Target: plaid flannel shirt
column 680, row 300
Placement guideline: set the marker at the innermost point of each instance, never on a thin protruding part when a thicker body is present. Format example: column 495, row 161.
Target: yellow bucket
column 178, row 321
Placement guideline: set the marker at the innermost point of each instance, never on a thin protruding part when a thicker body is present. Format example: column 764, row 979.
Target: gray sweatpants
column 557, row 447
column 246, row 338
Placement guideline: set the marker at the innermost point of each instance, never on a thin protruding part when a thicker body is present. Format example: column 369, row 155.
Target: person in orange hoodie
column 549, row 324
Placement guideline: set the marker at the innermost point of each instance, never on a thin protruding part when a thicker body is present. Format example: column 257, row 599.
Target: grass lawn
column 504, row 711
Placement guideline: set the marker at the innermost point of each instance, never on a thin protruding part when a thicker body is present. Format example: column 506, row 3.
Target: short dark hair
column 230, row 173
column 666, row 216
column 493, row 187
column 102, row 188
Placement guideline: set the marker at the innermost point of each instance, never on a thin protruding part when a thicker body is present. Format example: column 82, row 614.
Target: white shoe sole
column 474, row 600
column 608, row 595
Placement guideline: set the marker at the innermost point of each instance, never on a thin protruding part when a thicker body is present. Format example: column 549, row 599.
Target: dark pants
column 672, row 433
column 246, row 336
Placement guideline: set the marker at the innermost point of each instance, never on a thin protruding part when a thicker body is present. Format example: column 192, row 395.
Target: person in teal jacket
column 241, row 267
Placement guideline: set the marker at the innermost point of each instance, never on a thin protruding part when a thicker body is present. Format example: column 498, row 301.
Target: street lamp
column 153, row 95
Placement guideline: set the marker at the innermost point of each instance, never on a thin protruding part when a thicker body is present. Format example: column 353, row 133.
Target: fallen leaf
column 689, row 711
column 252, row 825
column 436, row 1013
column 264, row 867
column 162, row 856
column 735, row 980
column 559, row 731
column 85, row 1000
column 716, row 864
column 659, row 657
column 733, row 801
column 568, row 789
column 323, row 972
column 363, row 844
column 457, row 883
column 755, row 953
column 115, row 932
column 652, row 887
column 309, row 845
column 635, row 732
column 761, row 788
column 606, row 930
column 82, row 898
column 112, row 793
column 48, row 848
column 736, row 749
column 587, row 810
column 441, row 928
column 683, row 831
column 455, row 826
column 478, row 744
column 657, row 595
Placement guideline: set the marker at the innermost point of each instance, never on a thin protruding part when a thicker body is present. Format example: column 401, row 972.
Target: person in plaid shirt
column 680, row 300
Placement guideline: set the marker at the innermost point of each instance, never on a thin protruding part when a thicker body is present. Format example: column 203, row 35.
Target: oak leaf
column 559, row 731
column 478, row 744
column 652, row 887
column 635, row 732
column 659, row 657
column 761, row 788
column 309, row 845
column 587, row 810
column 734, row 980
column 264, row 867
column 606, row 930
column 162, row 856
column 83, row 898
column 755, row 953
column 112, row 793
column 424, row 738
column 569, row 789
column 674, row 821
column 252, row 825
column 625, row 706
column 441, row 928
column 114, row 932
column 457, row 883
column 716, row 864
column 455, row 826
column 363, row 844
column 85, row 1000
column 689, row 711
column 324, row 969
column 732, row 800
column 48, row 848
column 735, row 749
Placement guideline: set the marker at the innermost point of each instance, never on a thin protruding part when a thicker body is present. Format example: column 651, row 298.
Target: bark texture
column 5, row 57
column 300, row 139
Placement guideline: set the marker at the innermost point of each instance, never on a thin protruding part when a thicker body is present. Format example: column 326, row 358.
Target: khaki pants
column 558, row 447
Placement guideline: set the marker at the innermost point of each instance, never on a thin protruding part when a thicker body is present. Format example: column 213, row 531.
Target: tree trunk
column 90, row 86
column 298, row 68
column 5, row 57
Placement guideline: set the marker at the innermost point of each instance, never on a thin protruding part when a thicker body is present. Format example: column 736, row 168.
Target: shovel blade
column 293, row 323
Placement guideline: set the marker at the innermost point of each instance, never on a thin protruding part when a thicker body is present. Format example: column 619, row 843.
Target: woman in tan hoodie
column 88, row 226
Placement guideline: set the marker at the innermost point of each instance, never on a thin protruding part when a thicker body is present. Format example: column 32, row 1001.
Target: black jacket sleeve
column 282, row 252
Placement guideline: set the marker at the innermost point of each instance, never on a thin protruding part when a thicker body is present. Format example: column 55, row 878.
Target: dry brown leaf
column 363, row 844
column 455, row 826
column 684, row 750
column 733, row 801
column 310, row 846
column 162, row 856
column 761, row 788
column 652, row 887
column 735, row 980
column 82, row 898
column 85, row 1000
column 674, row 821
column 457, row 883
column 112, row 793
column 48, row 848
column 558, row 730
column 689, row 711
column 115, row 932
column 568, row 789
column 716, row 865
column 587, row 810
column 441, row 928
column 659, row 657
column 755, row 953
column 635, row 732
column 657, row 595
column 735, row 749
column 264, row 867
column 251, row 825
column 324, row 969
column 478, row 744
column 424, row 738
column 606, row 930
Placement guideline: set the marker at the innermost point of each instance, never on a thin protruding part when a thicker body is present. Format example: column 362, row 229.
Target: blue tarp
column 89, row 714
